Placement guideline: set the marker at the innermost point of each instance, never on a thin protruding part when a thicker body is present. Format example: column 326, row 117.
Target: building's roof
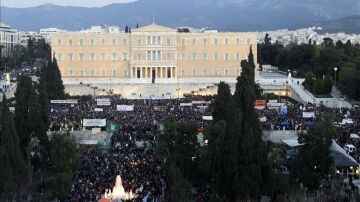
column 154, row 28
column 292, row 142
column 341, row 158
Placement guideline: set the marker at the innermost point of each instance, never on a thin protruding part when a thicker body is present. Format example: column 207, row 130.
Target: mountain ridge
column 225, row 15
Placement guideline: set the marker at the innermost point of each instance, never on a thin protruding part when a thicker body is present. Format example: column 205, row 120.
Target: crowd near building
column 150, row 52
column 302, row 36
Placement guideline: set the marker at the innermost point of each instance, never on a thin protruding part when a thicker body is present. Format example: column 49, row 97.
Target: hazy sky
column 83, row 3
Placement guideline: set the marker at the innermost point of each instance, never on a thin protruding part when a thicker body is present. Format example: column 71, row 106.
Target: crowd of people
column 133, row 146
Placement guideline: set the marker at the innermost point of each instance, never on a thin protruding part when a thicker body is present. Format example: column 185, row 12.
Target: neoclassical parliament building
column 151, row 53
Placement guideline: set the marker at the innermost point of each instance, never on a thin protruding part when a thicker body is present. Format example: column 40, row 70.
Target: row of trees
column 27, row 154
column 319, row 59
column 25, row 55
column 235, row 161
column 318, row 86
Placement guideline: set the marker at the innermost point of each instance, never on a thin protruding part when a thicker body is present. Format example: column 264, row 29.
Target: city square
column 161, row 112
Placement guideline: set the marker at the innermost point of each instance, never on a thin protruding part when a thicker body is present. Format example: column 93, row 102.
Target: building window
column 93, row 72
column 103, row 56
column 248, row 41
column 153, row 40
column 158, row 55
column 215, row 41
column 59, row 42
column 237, row 41
column 103, row 41
column 158, row 40
column 148, row 40
column 82, row 72
column 183, row 56
column 153, row 56
column 226, row 41
column 238, row 72
column 71, row 72
column 126, row 72
column 81, row 57
column 81, row 42
column 103, row 72
column 194, row 41
column 216, row 56
column 226, row 72
column 149, row 55
column 204, row 41
column 205, row 72
column 114, row 56
column 194, row 56
column 182, row 41
column 205, row 56
column 226, row 56
column 124, row 42
column 169, row 56
column 168, row 41
column 59, row 57
column 70, row 57
column 194, row 72
column 92, row 42
column 139, row 56
column 183, row 72
column 113, row 42
column 70, row 42
column 139, row 42
column 92, row 57
column 238, row 56
column 114, row 72
column 125, row 56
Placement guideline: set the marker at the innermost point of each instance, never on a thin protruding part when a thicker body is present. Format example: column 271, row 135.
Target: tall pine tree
column 223, row 144
column 13, row 171
column 254, row 170
column 55, row 87
column 26, row 114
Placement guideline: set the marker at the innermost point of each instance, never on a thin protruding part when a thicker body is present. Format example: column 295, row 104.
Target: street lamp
column 335, row 69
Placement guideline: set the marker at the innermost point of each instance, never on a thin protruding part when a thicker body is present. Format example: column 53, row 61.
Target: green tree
column 180, row 188
column 253, row 168
column 26, row 114
column 55, row 87
column 309, row 81
column 328, row 84
column 319, row 87
column 267, row 39
column 64, row 161
column 349, row 81
column 43, row 123
column 13, row 171
column 223, row 103
column 30, row 50
column 314, row 161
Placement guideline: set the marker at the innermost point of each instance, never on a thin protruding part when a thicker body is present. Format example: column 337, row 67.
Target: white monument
column 118, row 192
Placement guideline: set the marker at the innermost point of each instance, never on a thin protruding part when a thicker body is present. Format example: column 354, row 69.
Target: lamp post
column 94, row 88
column 335, row 69
column 178, row 88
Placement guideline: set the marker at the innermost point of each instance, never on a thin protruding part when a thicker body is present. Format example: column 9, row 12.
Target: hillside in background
column 349, row 24
column 229, row 15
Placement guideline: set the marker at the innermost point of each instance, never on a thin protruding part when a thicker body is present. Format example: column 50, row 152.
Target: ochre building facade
column 151, row 52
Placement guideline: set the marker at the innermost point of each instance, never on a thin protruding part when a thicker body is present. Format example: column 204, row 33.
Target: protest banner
column 94, row 122
column 126, row 108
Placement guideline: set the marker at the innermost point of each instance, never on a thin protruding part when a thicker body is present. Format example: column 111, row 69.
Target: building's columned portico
column 150, row 72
